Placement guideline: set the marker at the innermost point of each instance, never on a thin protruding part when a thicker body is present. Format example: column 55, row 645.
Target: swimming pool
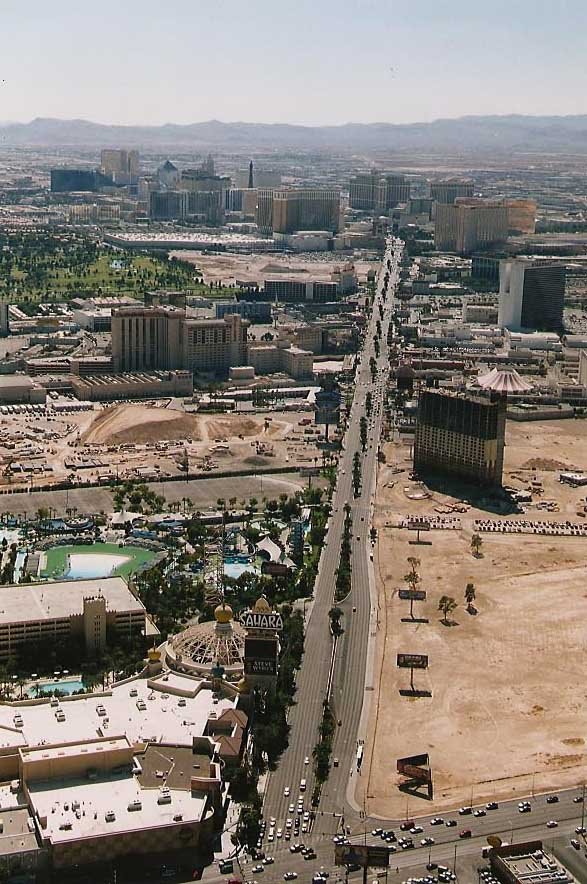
column 92, row 565
column 235, row 569
column 67, row 686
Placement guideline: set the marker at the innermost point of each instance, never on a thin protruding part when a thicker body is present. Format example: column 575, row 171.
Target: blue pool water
column 84, row 566
column 235, row 569
column 68, row 686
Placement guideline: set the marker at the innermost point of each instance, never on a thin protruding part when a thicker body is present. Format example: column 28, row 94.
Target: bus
column 360, row 751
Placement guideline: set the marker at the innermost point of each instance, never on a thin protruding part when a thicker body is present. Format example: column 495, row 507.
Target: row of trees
column 343, row 572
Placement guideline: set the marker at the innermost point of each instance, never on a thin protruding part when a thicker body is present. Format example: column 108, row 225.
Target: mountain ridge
column 489, row 132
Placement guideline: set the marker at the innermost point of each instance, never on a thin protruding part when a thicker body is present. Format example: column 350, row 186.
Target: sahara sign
column 262, row 620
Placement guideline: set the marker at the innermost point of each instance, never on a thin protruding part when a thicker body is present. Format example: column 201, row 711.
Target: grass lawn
column 56, row 558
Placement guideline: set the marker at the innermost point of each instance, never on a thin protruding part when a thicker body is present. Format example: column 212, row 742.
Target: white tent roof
column 503, row 380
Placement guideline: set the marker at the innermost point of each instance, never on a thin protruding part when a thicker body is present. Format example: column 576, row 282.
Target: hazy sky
column 302, row 61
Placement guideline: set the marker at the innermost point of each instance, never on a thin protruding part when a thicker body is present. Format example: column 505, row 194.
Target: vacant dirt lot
column 255, row 268
column 508, row 709
column 143, row 423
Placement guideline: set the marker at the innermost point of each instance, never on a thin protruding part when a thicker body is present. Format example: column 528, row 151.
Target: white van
column 302, row 785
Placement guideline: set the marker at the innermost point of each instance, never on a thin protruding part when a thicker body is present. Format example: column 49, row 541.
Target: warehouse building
column 133, row 385
column 16, row 389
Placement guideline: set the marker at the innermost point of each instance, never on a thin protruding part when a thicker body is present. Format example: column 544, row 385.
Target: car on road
column 416, row 830
column 450, row 823
column 310, row 855
column 291, row 808
column 290, row 876
column 406, row 843
column 465, row 811
column 288, row 823
column 427, row 842
column 377, row 832
column 437, row 821
column 258, row 868
column 279, row 833
column 552, row 799
column 268, row 861
column 286, row 792
column 307, row 759
column 524, row 807
column 492, row 805
column 407, row 825
column 581, row 830
column 480, row 812
column 578, row 799
column 551, row 824
column 466, row 833
column 575, row 844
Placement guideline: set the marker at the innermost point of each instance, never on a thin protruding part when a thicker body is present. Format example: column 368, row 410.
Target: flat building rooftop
column 62, row 599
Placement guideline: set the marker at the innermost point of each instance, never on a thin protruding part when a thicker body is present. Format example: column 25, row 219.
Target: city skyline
column 361, row 61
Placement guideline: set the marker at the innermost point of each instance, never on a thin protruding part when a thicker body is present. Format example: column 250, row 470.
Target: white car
column 291, row 808
column 551, row 824
column 286, row 792
column 279, row 833
column 306, row 760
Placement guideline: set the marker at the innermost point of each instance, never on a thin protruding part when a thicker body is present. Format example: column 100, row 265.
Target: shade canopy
column 504, row 380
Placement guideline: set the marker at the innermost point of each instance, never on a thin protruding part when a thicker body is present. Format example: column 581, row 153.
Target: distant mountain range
column 494, row 133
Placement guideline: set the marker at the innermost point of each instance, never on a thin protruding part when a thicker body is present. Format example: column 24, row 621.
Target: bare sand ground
column 143, row 423
column 508, row 709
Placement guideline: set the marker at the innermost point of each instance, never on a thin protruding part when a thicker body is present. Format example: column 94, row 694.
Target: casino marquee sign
column 270, row 620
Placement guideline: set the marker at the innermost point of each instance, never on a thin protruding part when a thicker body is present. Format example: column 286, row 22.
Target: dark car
column 407, row 825
column 466, row 833
column 552, row 799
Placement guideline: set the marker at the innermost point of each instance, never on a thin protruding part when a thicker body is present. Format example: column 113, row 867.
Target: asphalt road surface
column 313, row 677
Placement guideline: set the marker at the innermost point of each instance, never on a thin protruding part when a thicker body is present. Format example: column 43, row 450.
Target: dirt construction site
column 501, row 709
column 147, row 441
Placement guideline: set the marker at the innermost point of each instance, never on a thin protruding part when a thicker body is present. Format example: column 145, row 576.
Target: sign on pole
column 260, row 620
column 412, row 661
column 412, row 595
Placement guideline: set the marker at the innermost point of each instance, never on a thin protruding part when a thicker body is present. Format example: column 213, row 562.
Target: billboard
column 413, row 595
column 327, row 407
column 363, row 855
column 412, row 661
column 276, row 569
column 260, row 648
column 262, row 620
column 417, row 525
column 260, row 656
column 260, row 667
column 416, row 767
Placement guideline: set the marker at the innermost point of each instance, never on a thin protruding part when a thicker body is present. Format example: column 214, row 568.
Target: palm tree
column 476, row 544
column 470, row 594
column 412, row 579
column 414, row 563
column 447, row 605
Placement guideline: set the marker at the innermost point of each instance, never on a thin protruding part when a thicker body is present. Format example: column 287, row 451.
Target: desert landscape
column 506, row 715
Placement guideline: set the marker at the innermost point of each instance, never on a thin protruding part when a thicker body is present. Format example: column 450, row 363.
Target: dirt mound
column 545, row 463
column 140, row 424
column 222, row 427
